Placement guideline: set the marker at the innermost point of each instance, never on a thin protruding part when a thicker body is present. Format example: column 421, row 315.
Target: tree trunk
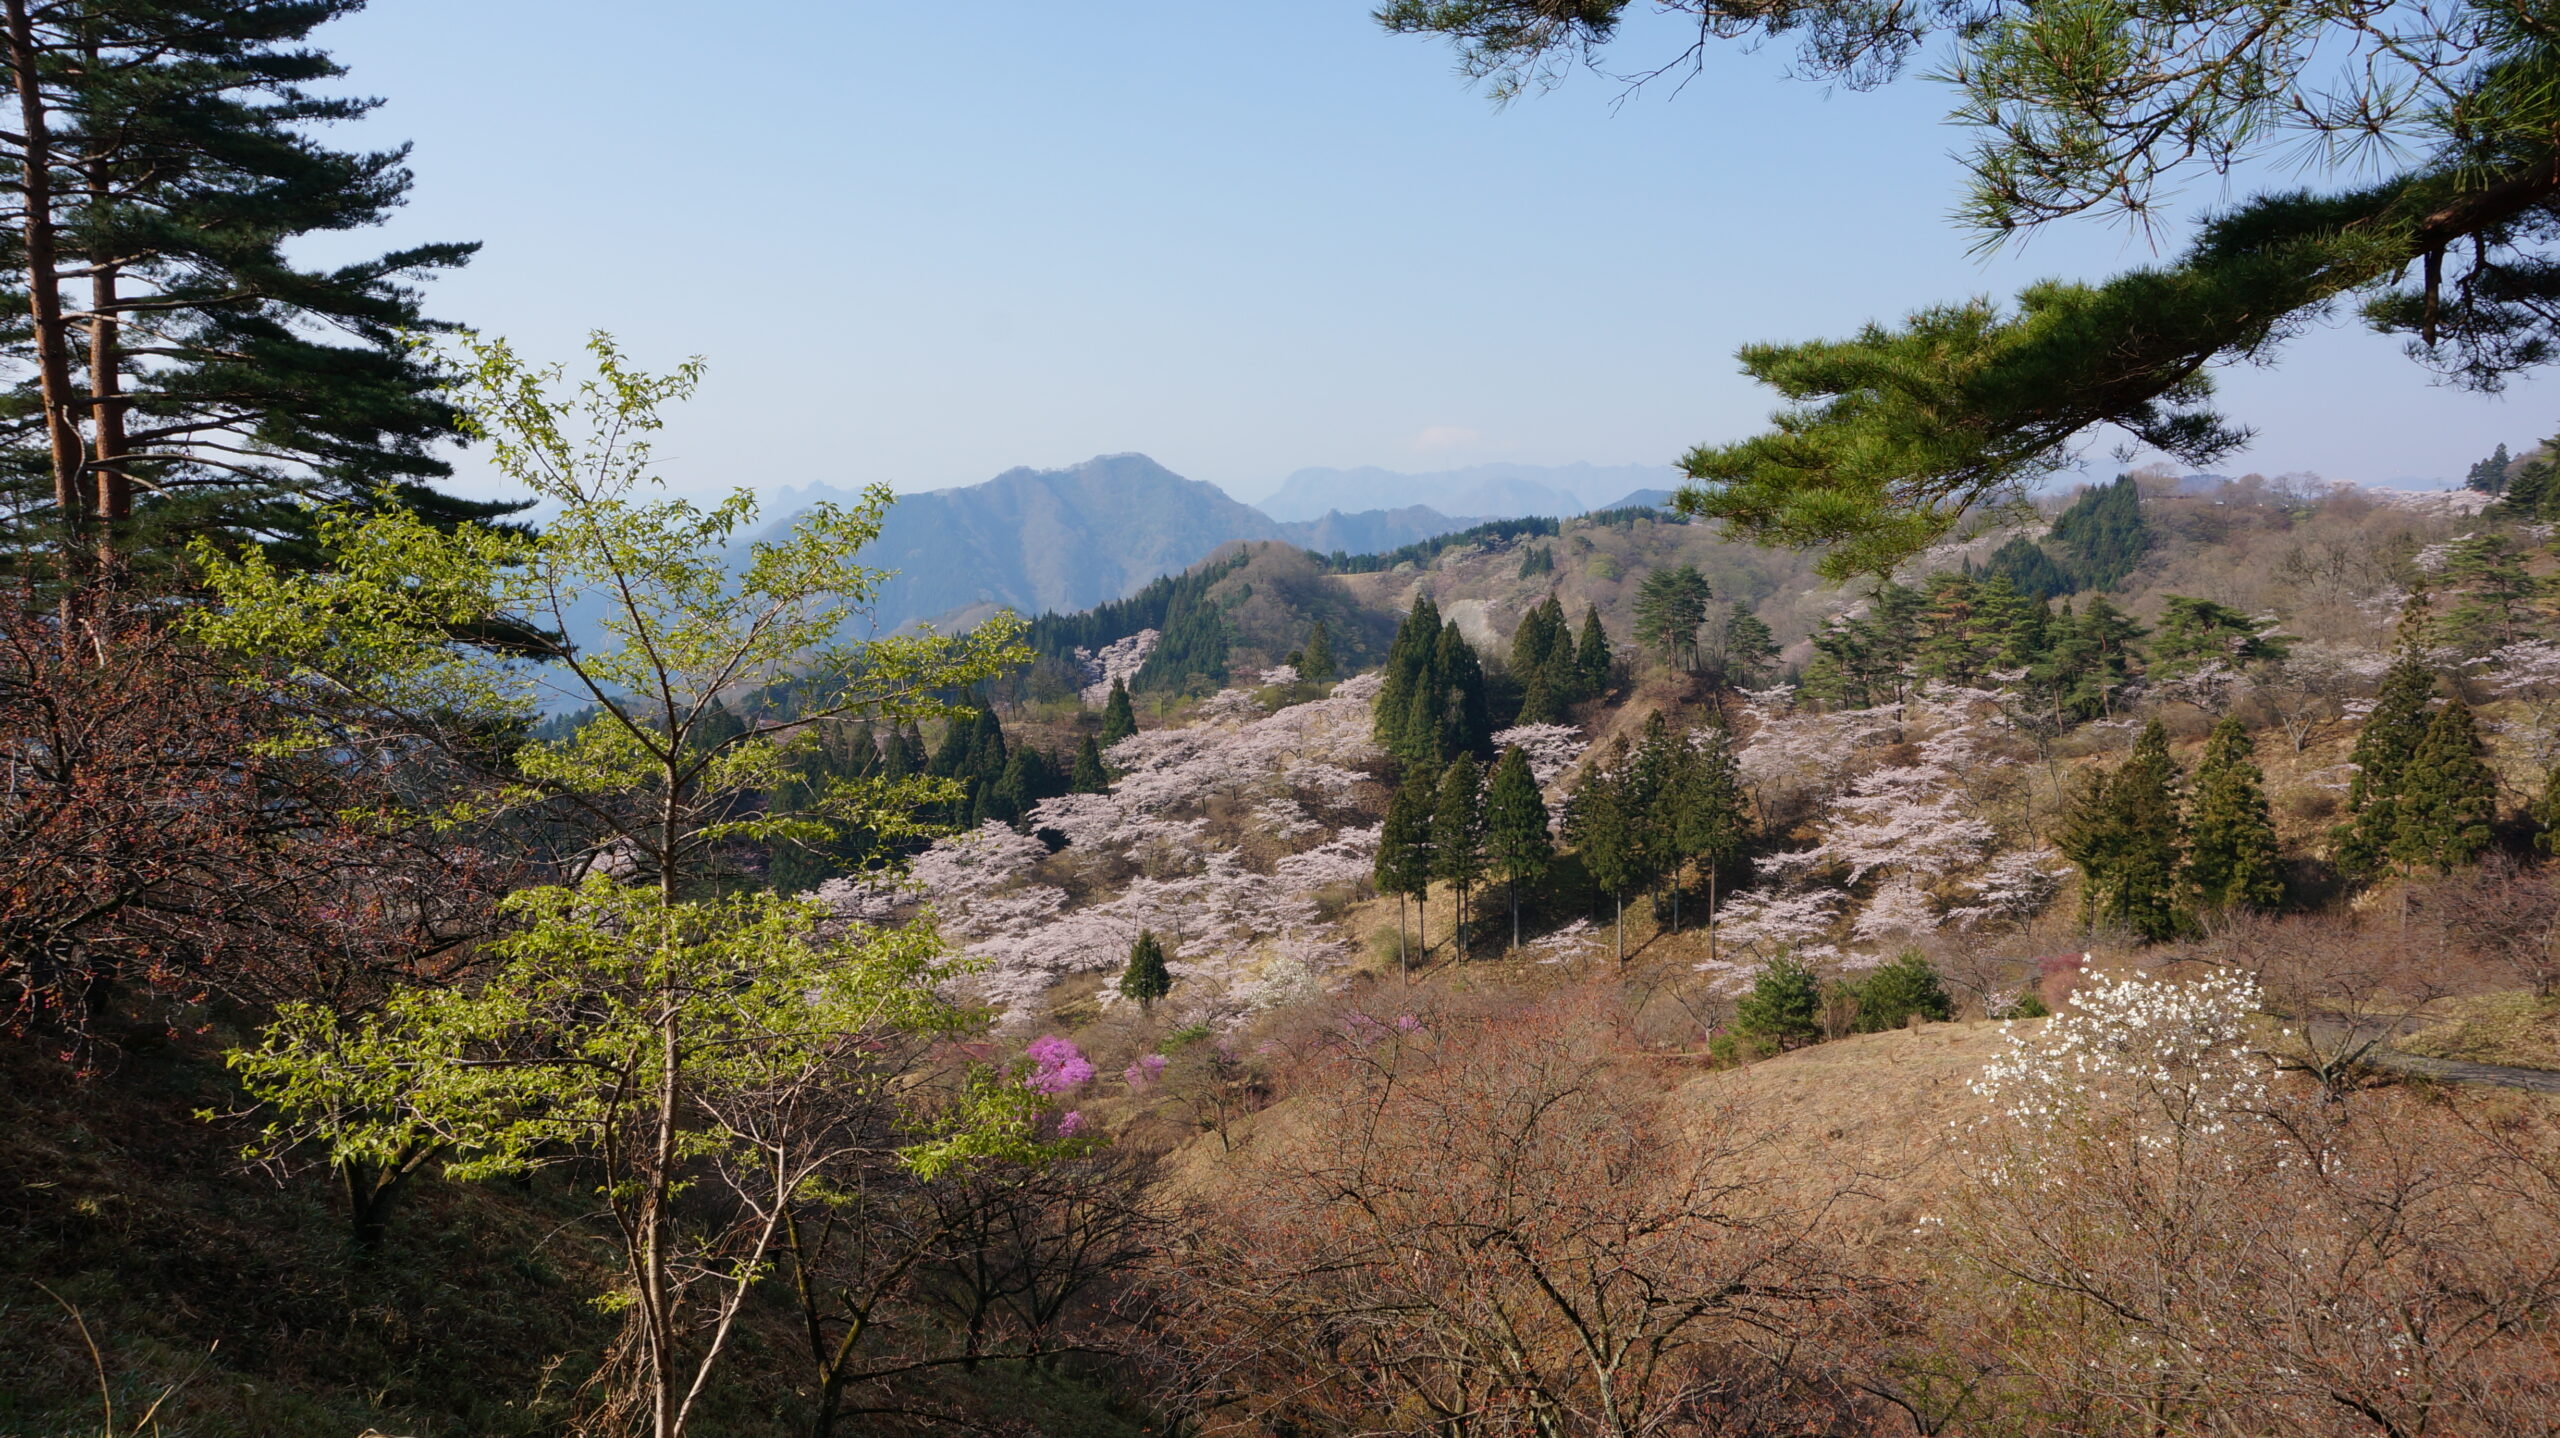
column 44, row 287
column 1515, row 913
column 106, row 407
column 1404, row 961
column 1622, row 927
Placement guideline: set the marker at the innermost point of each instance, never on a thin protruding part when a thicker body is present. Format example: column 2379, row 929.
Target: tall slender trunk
column 1711, row 913
column 1404, row 961
column 44, row 287
column 1515, row 913
column 1622, row 927
column 106, row 406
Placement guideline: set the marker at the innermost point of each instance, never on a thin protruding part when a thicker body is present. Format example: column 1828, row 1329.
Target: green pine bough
column 1896, row 438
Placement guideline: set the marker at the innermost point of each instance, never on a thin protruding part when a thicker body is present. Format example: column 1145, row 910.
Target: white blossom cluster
column 1245, row 930
column 1912, row 833
column 1551, row 749
column 2527, row 674
column 1121, row 659
column 2173, row 1057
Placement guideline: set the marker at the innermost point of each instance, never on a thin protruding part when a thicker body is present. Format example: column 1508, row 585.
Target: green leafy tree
column 1517, row 844
column 1893, row 993
column 182, row 370
column 2448, row 799
column 2232, row 859
column 2123, row 831
column 2432, row 131
column 637, row 1023
column 1119, row 716
column 666, row 1052
column 2384, row 747
column 1671, row 604
column 1784, row 1006
column 1458, row 835
column 1146, row 979
column 1089, row 776
column 1403, row 865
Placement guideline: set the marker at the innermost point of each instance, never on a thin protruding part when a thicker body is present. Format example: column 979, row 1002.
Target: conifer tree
column 1649, row 793
column 1784, row 1005
column 1146, row 979
column 1089, row 776
column 1458, row 836
column 1315, row 663
column 2194, row 632
column 1894, row 992
column 1403, row 865
column 1670, row 605
column 1119, row 717
column 1749, row 650
column 1597, row 823
column 2384, row 747
column 1516, row 838
column 1409, row 659
column 2102, row 535
column 2448, row 799
column 2123, row 832
column 1591, row 657
column 2489, row 476
column 2545, row 813
column 1467, row 723
column 1712, row 824
column 2232, row 860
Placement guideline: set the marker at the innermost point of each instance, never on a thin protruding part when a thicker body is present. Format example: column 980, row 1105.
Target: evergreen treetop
column 2123, row 831
column 2232, row 860
column 1146, row 979
column 2447, row 800
column 1119, row 716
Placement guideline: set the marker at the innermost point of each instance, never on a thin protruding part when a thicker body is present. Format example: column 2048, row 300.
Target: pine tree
column 1591, row 657
column 1893, row 993
column 2029, row 569
column 1784, row 1005
column 168, row 165
column 2384, row 747
column 1146, row 979
column 1467, row 726
column 1748, row 649
column 1316, row 661
column 1119, row 717
column 2448, row 799
column 1458, row 835
column 2232, row 859
column 1601, row 831
column 1516, row 839
column 1649, row 792
column 1670, row 605
column 2123, row 832
column 1403, row 865
column 2195, row 631
column 1089, row 776
column 2492, row 594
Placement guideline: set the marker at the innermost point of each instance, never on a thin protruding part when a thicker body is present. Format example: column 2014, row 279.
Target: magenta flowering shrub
column 1056, row 1065
column 1143, row 1072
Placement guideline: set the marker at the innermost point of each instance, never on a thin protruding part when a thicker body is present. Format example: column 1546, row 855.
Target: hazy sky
column 924, row 243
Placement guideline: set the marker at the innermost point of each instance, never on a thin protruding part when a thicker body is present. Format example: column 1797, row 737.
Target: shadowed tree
column 1517, row 842
column 2231, row 836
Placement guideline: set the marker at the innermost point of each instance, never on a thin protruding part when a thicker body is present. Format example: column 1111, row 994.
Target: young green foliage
column 651, row 779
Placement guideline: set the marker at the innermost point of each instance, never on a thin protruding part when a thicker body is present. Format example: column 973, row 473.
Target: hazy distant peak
column 1494, row 491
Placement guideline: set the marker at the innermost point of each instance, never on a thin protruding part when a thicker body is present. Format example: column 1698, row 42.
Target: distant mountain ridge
column 1490, row 491
column 1038, row 540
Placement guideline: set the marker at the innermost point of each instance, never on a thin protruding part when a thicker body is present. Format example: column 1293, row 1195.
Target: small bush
column 1894, row 993
column 1784, row 1006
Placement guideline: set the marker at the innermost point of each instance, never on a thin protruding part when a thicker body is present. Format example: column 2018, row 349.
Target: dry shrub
column 2159, row 1240
column 1484, row 1220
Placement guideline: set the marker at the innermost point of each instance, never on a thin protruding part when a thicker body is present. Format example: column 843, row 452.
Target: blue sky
column 923, row 243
